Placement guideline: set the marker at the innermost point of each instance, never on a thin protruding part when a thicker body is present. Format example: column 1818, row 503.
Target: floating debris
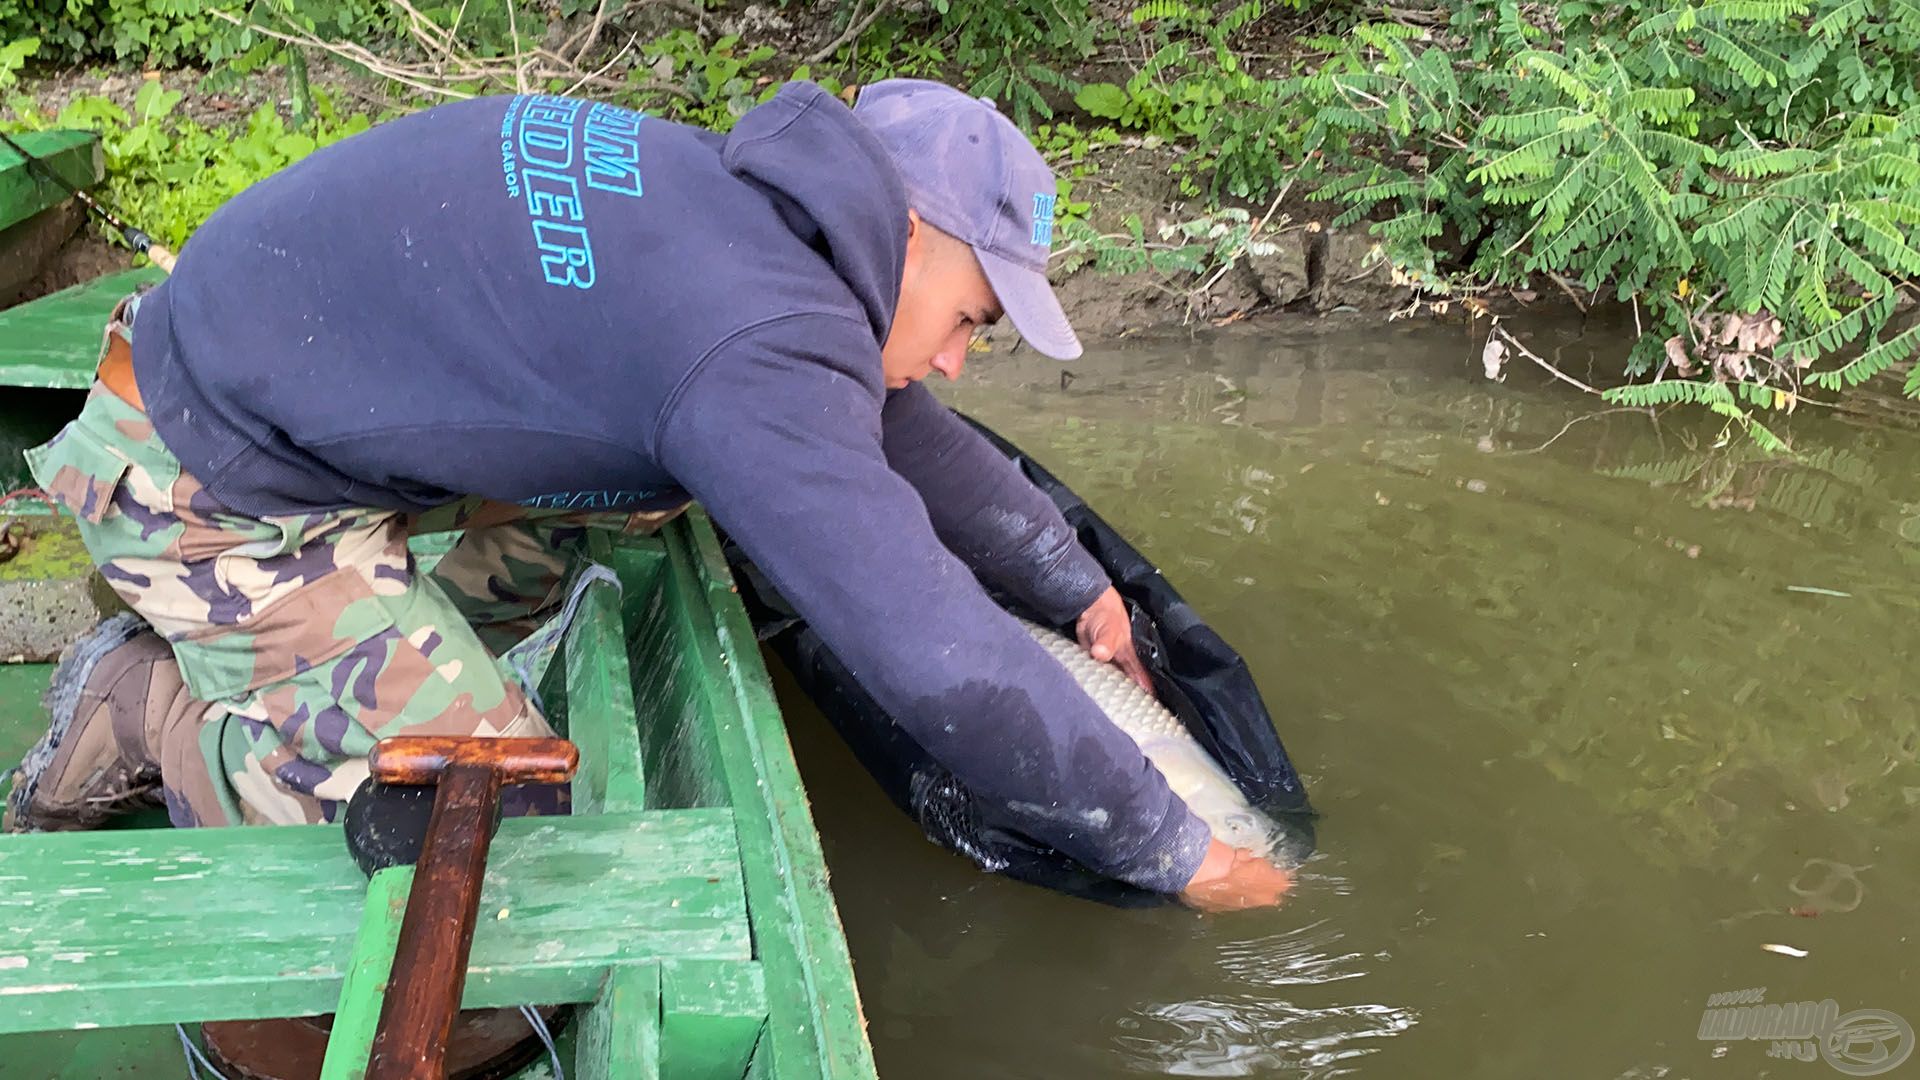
column 1817, row 591
column 1784, row 950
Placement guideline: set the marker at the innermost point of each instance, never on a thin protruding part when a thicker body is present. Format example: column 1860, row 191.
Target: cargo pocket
column 298, row 632
column 78, row 471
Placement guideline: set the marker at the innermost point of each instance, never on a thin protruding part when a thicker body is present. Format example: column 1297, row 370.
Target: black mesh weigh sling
column 1196, row 674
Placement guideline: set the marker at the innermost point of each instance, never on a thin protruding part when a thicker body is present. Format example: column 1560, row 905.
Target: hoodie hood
column 833, row 185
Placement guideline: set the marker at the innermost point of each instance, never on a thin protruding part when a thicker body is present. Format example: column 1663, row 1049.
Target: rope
column 546, row 1039
column 194, row 1055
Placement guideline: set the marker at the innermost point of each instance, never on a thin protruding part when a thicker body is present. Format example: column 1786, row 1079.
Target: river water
column 1584, row 736
column 1590, row 702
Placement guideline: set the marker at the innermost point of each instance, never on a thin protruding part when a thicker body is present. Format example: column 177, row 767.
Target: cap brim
column 1027, row 298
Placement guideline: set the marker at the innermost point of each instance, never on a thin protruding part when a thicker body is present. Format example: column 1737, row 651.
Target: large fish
column 1191, row 772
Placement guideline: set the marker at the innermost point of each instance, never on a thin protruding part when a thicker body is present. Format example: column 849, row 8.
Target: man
column 496, row 311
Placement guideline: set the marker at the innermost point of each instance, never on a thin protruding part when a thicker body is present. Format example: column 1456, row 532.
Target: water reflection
column 1588, row 698
column 1262, row 1030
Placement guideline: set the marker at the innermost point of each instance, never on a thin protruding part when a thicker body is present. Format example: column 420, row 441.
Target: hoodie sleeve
column 1007, row 530
column 785, row 452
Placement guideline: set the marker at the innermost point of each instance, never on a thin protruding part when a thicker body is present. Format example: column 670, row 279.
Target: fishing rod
column 135, row 238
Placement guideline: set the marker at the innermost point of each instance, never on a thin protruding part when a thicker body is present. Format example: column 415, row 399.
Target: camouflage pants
column 307, row 638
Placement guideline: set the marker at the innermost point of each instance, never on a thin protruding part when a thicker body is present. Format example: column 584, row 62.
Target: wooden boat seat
column 685, row 898
column 158, row 926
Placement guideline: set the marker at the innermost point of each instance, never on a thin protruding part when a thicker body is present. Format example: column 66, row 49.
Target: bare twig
column 450, row 66
column 1251, row 233
column 593, row 33
column 519, row 65
column 1568, row 289
column 350, row 52
column 1514, row 343
column 602, row 70
column 856, row 25
column 1647, row 412
column 1412, row 17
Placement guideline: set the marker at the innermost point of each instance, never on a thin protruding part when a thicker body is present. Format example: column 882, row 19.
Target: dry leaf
column 1493, row 357
column 1677, row 353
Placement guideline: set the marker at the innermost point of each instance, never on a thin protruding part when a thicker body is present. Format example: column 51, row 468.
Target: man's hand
column 1107, row 635
column 1230, row 879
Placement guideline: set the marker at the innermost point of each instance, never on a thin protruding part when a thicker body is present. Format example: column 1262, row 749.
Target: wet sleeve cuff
column 1071, row 585
column 1170, row 859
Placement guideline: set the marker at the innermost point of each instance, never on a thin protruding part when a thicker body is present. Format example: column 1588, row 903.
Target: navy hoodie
column 562, row 303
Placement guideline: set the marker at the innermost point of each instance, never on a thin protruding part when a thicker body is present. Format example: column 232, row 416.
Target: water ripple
column 1253, row 1033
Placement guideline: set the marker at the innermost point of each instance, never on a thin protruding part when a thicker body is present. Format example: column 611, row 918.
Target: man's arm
column 1012, row 535
column 786, row 454
column 986, row 511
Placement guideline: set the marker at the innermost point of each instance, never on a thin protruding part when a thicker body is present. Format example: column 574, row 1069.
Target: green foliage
column 719, row 79
column 1731, row 156
column 167, row 173
column 1192, row 247
column 14, row 56
column 165, row 33
column 1194, row 89
column 1068, row 151
column 1012, row 51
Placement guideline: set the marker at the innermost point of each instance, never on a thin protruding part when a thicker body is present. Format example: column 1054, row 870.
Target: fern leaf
column 1507, row 127
column 1763, row 436
column 1668, row 392
column 1888, row 244
column 1754, row 164
column 1751, row 69
column 1874, row 361
column 1841, row 19
column 1680, row 151
column 1768, row 11
column 1779, row 265
column 1549, row 67
column 1531, row 158
column 1661, row 473
column 1161, row 11
column 1661, row 103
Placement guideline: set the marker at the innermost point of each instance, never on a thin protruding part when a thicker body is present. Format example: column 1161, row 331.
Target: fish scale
column 1189, row 769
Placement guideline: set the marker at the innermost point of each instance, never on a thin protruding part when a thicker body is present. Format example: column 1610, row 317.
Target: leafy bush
column 1195, row 88
column 167, row 173
column 1746, row 171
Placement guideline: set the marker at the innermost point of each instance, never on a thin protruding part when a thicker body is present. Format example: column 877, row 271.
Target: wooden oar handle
column 423, row 759
column 430, row 957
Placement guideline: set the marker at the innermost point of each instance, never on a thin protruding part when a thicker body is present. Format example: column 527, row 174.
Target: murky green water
column 1579, row 738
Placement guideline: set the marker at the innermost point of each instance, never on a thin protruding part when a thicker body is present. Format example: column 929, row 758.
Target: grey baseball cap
column 971, row 174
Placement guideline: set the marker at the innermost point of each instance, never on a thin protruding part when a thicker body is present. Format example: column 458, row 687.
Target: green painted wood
column 680, row 751
column 365, row 987
column 600, row 709
column 74, row 156
column 158, row 926
column 712, row 1014
column 620, row 1034
column 814, row 1021
column 55, row 341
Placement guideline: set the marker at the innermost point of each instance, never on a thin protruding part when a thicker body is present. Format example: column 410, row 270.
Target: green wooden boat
column 684, row 907
column 36, row 214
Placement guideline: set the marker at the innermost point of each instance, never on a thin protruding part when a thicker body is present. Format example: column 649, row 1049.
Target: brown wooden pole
column 430, row 959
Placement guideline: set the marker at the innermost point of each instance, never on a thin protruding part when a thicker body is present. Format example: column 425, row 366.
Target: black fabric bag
column 1196, row 674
